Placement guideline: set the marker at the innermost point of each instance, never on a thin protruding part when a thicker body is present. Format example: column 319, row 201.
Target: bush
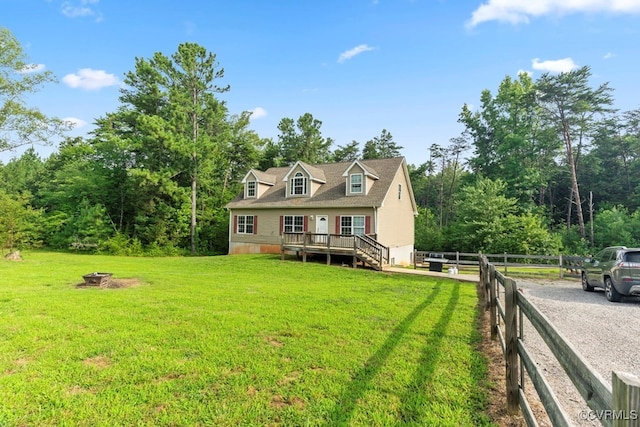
column 428, row 234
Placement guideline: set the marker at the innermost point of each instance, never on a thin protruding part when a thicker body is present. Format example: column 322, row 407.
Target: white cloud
column 75, row 122
column 609, row 55
column 555, row 66
column 258, row 113
column 81, row 9
column 32, row 68
column 519, row 11
column 90, row 79
column 353, row 52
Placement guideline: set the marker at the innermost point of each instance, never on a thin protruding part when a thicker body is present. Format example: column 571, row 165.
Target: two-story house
column 363, row 197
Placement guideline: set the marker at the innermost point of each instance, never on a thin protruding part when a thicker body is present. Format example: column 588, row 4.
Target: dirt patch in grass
column 113, row 284
column 76, row 389
column 293, row 376
column 274, row 342
column 13, row 256
column 279, row 402
column 100, row 362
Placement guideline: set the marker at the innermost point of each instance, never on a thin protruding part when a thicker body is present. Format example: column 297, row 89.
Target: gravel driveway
column 606, row 334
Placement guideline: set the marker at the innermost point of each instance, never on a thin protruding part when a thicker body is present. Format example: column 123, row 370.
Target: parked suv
column 616, row 269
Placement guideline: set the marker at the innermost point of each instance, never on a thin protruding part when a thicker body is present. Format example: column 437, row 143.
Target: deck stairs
column 371, row 252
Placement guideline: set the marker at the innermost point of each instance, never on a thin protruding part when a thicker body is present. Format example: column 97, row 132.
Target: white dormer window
column 251, row 189
column 355, row 181
column 298, row 184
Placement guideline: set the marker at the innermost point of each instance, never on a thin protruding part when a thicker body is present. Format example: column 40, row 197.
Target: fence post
column 511, row 345
column 493, row 307
column 505, row 263
column 282, row 247
column 561, row 267
column 415, row 264
column 484, row 277
column 482, row 281
column 626, row 399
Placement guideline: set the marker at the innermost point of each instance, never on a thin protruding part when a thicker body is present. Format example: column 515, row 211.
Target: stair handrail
column 373, row 248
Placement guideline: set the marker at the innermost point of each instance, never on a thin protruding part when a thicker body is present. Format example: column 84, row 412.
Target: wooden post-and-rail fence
column 615, row 405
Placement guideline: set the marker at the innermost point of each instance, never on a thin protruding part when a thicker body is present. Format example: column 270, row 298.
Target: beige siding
column 251, row 177
column 396, row 216
column 389, row 217
column 261, row 188
column 312, row 186
column 355, row 170
column 368, row 182
column 268, row 233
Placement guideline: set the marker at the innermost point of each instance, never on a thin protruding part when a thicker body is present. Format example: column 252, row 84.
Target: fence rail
column 566, row 264
column 619, row 406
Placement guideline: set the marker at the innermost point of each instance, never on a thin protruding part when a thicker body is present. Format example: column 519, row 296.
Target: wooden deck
column 359, row 247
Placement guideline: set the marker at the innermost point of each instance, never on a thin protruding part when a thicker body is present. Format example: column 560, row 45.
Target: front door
column 322, row 228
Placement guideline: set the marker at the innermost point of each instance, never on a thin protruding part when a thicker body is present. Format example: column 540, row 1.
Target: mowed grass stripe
column 242, row 340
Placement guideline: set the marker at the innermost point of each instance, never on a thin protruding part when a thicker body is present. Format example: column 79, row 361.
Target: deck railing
column 365, row 244
column 319, row 239
column 372, row 248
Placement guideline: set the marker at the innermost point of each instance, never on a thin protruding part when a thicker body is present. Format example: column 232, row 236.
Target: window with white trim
column 293, row 224
column 354, row 224
column 251, row 189
column 298, row 184
column 355, row 182
column 245, row 224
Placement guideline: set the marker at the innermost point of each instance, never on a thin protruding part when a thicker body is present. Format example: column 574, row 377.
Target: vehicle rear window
column 632, row 257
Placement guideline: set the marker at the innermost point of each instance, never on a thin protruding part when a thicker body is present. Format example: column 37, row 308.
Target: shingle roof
column 264, row 177
column 330, row 194
column 315, row 173
column 368, row 170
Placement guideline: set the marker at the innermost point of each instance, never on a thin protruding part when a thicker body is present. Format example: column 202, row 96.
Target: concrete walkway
column 474, row 278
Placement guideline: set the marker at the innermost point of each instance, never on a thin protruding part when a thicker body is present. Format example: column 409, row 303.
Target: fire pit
column 97, row 279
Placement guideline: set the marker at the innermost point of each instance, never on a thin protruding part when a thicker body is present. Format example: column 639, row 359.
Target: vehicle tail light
column 630, row 264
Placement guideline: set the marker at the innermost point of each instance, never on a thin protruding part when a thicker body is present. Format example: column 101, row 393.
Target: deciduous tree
column 21, row 124
column 510, row 141
column 571, row 107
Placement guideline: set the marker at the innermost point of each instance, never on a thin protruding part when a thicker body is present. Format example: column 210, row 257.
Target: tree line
column 554, row 168
column 155, row 174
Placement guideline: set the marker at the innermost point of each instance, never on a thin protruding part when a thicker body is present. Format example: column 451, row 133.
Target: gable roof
column 261, row 177
column 368, row 171
column 315, row 174
column 331, row 194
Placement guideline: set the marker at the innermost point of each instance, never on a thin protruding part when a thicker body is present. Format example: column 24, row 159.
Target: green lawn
column 242, row 340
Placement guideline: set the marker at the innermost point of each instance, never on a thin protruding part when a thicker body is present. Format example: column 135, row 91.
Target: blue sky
column 359, row 66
